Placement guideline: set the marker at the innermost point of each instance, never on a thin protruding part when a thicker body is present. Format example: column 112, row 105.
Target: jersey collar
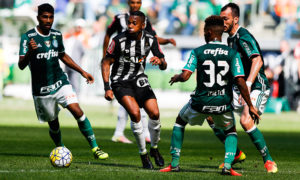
column 235, row 31
column 37, row 31
column 215, row 42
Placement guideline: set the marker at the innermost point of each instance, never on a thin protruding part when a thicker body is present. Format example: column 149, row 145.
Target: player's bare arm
column 105, row 70
column 257, row 63
column 105, row 44
column 162, row 64
column 245, row 94
column 67, row 60
column 182, row 77
column 24, row 60
column 164, row 41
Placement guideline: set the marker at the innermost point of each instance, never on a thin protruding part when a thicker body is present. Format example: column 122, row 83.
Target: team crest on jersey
column 55, row 43
column 47, row 43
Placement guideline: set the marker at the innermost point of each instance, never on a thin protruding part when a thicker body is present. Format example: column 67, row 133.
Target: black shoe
column 159, row 160
column 147, row 164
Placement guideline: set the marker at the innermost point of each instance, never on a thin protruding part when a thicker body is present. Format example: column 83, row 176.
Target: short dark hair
column 45, row 8
column 234, row 8
column 216, row 23
column 138, row 13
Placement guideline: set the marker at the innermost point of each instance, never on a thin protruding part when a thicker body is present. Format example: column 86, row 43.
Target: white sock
column 121, row 123
column 137, row 129
column 144, row 120
column 154, row 129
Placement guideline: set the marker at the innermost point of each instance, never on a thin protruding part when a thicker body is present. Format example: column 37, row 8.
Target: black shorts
column 138, row 88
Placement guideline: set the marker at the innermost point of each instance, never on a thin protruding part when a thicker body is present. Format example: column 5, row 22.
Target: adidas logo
column 39, row 45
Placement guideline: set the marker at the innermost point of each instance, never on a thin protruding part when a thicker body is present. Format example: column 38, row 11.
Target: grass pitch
column 25, row 146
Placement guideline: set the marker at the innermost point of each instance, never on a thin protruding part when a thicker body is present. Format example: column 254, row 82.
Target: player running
column 127, row 52
column 241, row 40
column 40, row 49
column 218, row 68
column 119, row 25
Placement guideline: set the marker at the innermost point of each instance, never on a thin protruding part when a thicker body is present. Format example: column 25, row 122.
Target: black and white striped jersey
column 119, row 24
column 130, row 55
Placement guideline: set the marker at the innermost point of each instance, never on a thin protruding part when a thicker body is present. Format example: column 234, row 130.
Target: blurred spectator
column 274, row 65
column 292, row 79
column 115, row 7
column 74, row 48
column 182, row 17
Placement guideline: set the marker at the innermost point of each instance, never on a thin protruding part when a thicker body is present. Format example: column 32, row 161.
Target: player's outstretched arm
column 164, row 41
column 245, row 94
column 182, row 77
column 105, row 70
column 24, row 60
column 67, row 60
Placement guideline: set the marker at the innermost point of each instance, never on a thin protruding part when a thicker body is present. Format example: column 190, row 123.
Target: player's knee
column 154, row 115
column 135, row 115
column 246, row 122
column 54, row 125
column 180, row 121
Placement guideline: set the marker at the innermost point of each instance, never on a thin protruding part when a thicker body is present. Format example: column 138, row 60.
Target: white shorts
column 222, row 121
column 258, row 98
column 46, row 107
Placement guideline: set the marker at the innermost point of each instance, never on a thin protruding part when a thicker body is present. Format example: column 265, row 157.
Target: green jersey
column 46, row 74
column 247, row 46
column 217, row 65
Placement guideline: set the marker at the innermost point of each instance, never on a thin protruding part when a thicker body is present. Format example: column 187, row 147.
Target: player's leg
column 240, row 156
column 154, row 126
column 47, row 110
column 186, row 115
column 55, row 133
column 176, row 145
column 144, row 119
column 120, row 127
column 259, row 100
column 67, row 98
column 133, row 109
column 87, row 130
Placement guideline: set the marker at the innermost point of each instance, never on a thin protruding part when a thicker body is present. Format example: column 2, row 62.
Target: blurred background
column 274, row 23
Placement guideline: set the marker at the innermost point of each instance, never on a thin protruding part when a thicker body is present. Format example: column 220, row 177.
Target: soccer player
column 218, row 67
column 40, row 49
column 127, row 52
column 119, row 25
column 241, row 40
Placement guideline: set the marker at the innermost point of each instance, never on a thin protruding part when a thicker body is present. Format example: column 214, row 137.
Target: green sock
column 176, row 144
column 86, row 129
column 259, row 141
column 230, row 149
column 56, row 137
column 221, row 136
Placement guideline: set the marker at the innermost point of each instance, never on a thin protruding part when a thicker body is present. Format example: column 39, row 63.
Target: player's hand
column 32, row 45
column 174, row 79
column 155, row 61
column 254, row 114
column 89, row 78
column 172, row 41
column 109, row 95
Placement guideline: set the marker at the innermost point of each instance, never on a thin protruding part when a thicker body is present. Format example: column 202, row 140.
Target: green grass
column 25, row 146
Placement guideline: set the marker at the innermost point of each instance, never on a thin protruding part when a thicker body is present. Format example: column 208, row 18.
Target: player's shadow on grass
column 23, row 154
column 108, row 164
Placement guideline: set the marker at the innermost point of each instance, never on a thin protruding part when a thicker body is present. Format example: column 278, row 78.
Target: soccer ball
column 61, row 157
